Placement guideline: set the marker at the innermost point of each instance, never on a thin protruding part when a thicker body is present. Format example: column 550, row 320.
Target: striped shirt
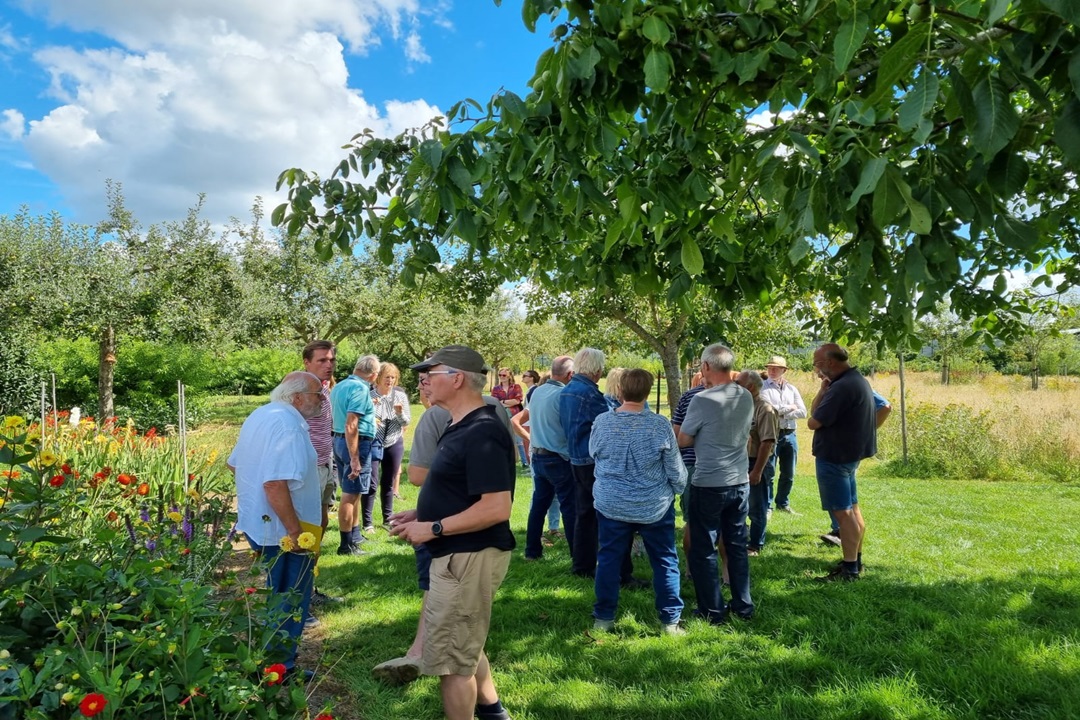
column 677, row 418
column 391, row 425
column 319, row 429
column 638, row 468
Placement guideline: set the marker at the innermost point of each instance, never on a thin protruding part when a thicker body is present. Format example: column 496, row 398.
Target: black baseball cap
column 458, row 357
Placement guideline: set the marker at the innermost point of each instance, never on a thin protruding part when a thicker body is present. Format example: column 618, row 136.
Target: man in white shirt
column 277, row 488
column 787, row 400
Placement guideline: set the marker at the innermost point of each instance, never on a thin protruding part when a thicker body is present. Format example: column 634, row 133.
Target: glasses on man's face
column 425, row 378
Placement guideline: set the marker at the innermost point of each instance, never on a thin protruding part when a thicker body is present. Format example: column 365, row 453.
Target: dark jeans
column 552, row 476
column 786, row 455
column 383, row 473
column 759, row 504
column 290, row 577
column 720, row 512
column 585, row 531
column 659, row 539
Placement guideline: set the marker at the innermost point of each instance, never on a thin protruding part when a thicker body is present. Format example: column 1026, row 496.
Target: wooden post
column 903, row 408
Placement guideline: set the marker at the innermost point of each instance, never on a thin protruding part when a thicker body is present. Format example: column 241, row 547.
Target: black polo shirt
column 475, row 456
column 847, row 418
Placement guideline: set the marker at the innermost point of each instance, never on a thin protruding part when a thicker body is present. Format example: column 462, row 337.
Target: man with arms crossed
column 354, row 429
column 463, row 517
column 787, row 400
column 842, row 417
column 277, row 487
column 717, row 424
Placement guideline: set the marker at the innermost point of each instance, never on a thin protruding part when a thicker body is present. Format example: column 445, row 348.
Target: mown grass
column 970, row 608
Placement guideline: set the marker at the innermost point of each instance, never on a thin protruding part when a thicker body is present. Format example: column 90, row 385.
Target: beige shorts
column 457, row 610
column 327, row 483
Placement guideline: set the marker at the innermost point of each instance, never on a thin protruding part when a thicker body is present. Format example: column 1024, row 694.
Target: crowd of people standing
column 612, row 469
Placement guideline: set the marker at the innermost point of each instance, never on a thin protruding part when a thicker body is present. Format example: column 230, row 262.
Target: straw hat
column 776, row 361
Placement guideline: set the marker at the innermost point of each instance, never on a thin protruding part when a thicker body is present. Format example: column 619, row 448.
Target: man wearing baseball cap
column 463, row 517
column 787, row 400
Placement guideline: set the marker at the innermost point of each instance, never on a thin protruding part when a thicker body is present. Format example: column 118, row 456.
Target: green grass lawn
column 969, row 608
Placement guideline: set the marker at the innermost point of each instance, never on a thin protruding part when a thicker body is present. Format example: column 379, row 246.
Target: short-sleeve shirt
column 679, row 416
column 513, row 393
column 475, row 457
column 545, row 422
column 391, row 425
column 848, row 419
column 433, row 424
column 274, row 445
column 765, row 427
column 353, row 395
column 719, row 419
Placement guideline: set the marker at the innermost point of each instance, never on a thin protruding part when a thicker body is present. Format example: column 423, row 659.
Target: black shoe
column 635, row 584
column 350, row 550
column 830, row 538
column 320, row 598
column 839, row 574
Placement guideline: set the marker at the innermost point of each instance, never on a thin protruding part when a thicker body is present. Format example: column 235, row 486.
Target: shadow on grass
column 890, row 646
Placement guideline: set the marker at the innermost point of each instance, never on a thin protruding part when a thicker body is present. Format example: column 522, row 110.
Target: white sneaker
column 672, row 629
column 787, row 509
column 603, row 625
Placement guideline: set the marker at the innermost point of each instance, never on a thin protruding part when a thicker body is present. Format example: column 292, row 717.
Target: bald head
column 831, row 360
column 562, row 368
column 749, row 380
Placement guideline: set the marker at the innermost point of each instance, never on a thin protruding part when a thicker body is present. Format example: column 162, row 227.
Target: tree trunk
column 1035, row 377
column 106, row 365
column 944, row 371
column 670, row 357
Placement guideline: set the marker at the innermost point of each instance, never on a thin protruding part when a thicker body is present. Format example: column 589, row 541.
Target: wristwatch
column 436, row 528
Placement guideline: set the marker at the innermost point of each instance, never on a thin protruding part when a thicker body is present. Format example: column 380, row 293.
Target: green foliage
column 106, row 583
column 19, row 383
column 254, row 371
column 950, row 442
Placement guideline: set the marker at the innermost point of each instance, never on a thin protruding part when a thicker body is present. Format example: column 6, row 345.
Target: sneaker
column 787, row 509
column 501, row 715
column 368, row 529
column 830, row 539
column 753, row 551
column 768, row 513
column 399, row 671
column 387, row 526
column 312, row 622
column 350, row 550
column 672, row 629
column 603, row 625
column 838, row 574
column 320, row 598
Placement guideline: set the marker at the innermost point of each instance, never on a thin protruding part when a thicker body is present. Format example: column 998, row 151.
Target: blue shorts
column 836, row 484
column 362, row 483
column 423, row 566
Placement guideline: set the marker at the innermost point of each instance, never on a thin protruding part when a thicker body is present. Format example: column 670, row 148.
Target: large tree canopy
column 884, row 154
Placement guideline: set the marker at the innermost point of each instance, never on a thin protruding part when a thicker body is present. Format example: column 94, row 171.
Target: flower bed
column 110, row 604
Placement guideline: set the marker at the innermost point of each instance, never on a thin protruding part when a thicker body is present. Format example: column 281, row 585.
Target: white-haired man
column 463, row 517
column 717, row 424
column 353, row 415
column 277, row 488
column 787, row 400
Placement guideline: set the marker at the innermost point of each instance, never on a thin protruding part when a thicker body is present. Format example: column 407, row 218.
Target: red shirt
column 514, row 393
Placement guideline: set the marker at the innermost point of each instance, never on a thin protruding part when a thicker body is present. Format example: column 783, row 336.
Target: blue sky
column 217, row 96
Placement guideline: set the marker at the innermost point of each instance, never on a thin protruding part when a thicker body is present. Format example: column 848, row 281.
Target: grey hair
column 562, row 366
column 477, row 381
column 366, row 365
column 292, row 385
column 589, row 361
column 751, row 378
column 719, row 357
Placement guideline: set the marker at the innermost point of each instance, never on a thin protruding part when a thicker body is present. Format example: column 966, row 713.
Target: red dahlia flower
column 275, row 674
column 92, row 704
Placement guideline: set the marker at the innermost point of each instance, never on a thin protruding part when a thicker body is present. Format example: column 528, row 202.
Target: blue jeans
column 520, row 443
column 787, row 454
column 552, row 477
column 361, row 484
column 759, row 505
column 290, row 577
column 583, row 555
column 720, row 512
column 659, row 538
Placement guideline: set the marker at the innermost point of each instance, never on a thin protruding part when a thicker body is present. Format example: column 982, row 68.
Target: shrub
column 107, row 603
column 952, row 441
column 255, row 371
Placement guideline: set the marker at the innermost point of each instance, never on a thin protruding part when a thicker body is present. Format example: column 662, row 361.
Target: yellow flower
column 315, row 572
column 114, row 447
column 101, row 439
column 13, row 421
column 47, row 458
column 193, row 494
column 306, row 540
column 175, row 516
column 287, row 544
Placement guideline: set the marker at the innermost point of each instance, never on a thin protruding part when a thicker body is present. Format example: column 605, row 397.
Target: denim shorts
column 836, row 484
column 423, row 566
column 343, row 463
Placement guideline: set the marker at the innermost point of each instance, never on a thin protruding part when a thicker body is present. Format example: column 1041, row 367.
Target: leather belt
column 542, row 451
column 785, row 431
column 338, row 434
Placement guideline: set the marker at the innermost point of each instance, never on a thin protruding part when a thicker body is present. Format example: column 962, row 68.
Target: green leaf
column 431, row 152
column 721, row 226
column 278, row 216
column 1068, row 9
column 887, row 200
column 799, row 249
column 868, row 179
column 915, row 264
column 849, row 39
column 802, row 144
column 899, row 61
column 691, row 257
column 1016, row 233
column 512, row 104
column 996, row 121
column 1008, row 174
column 920, row 216
column 657, row 69
column 1067, row 132
column 1074, row 70
column 656, row 30
column 460, row 176
column 919, row 101
column 997, row 10
column 583, row 66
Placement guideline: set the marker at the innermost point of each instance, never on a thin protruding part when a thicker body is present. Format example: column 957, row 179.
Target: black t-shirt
column 475, row 456
column 847, row 418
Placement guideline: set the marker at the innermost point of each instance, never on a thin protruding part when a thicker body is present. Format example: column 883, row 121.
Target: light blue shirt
column 353, row 395
column 639, row 470
column 545, row 423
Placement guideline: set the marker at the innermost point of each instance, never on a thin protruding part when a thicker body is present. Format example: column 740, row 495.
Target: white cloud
column 208, row 96
column 7, row 40
column 13, row 124
column 414, row 49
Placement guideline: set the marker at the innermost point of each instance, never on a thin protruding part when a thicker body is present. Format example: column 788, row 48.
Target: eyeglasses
column 503, row 375
column 425, row 378
column 310, row 392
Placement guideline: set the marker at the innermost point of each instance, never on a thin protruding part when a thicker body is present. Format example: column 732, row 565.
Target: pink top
column 319, row 429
